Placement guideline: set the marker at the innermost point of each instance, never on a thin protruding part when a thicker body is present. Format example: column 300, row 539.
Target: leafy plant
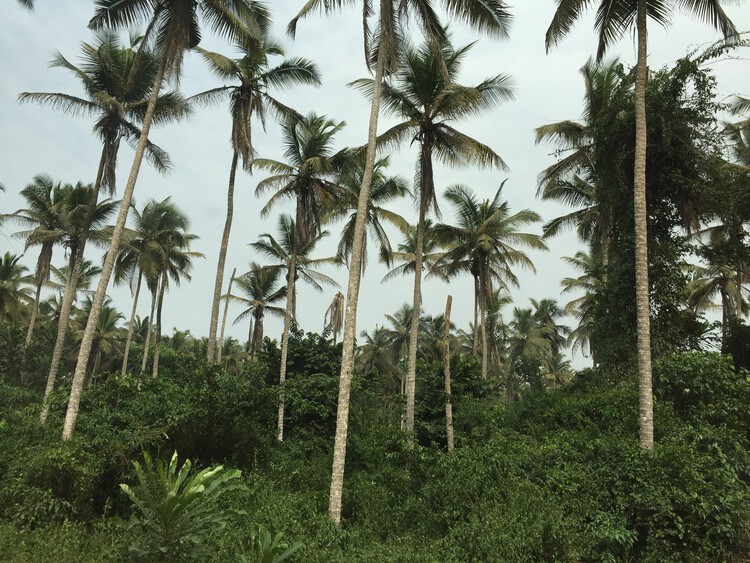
column 177, row 513
column 267, row 549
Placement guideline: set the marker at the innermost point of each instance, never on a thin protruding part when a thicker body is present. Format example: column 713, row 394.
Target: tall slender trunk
column 131, row 324
column 447, row 373
column 285, row 345
column 411, row 373
column 352, row 297
column 71, row 415
column 220, row 266
column 226, row 309
column 475, row 343
column 483, row 312
column 149, row 327
column 34, row 311
column 157, row 335
column 643, row 322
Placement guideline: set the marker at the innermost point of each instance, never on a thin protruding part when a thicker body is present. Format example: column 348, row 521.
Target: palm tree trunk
column 447, row 374
column 157, row 335
column 147, row 342
column 352, row 297
column 285, row 346
column 74, row 267
column 483, row 312
column 411, row 373
column 131, row 326
column 220, row 266
column 643, row 323
column 475, row 343
column 34, row 312
column 74, row 271
column 101, row 290
column 226, row 308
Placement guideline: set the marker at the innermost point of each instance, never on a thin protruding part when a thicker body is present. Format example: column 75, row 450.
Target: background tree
column 250, row 99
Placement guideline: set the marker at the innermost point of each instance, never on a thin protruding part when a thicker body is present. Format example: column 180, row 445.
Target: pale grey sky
column 37, row 140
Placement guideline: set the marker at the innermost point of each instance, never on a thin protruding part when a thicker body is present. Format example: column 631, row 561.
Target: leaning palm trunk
column 131, row 324
column 74, row 271
column 226, row 309
column 352, row 296
column 447, row 374
column 34, row 312
column 285, row 345
column 220, row 266
column 83, row 355
column 157, row 335
column 643, row 323
column 149, row 330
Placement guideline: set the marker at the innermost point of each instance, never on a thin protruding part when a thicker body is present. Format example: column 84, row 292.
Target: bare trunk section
column 411, row 373
column 352, row 297
column 101, row 291
column 220, row 266
column 447, row 373
column 475, row 343
column 285, row 345
column 147, row 342
column 643, row 322
column 131, row 324
column 483, row 311
column 34, row 312
column 226, row 309
column 157, row 334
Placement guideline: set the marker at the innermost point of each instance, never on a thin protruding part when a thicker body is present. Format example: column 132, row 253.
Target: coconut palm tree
column 591, row 283
column 384, row 190
column 78, row 217
column 254, row 77
column 118, row 83
column 308, row 176
column 175, row 27
column 261, row 290
column 484, row 244
column 575, row 180
column 425, row 94
column 488, row 16
column 107, row 338
column 615, row 18
column 13, row 295
column 334, row 317
column 43, row 215
column 291, row 253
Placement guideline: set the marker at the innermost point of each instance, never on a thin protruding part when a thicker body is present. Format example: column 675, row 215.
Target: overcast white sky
column 36, row 139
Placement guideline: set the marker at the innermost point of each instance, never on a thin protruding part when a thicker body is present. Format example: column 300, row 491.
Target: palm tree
column 483, row 243
column 292, row 253
column 261, row 290
column 42, row 213
column 427, row 97
column 575, row 179
column 77, row 218
column 384, row 190
column 249, row 98
column 175, row 27
column 141, row 257
column 334, row 317
column 488, row 16
column 107, row 338
column 591, row 283
column 226, row 311
column 308, row 176
column 118, row 82
column 13, row 296
column 614, row 18
column 405, row 253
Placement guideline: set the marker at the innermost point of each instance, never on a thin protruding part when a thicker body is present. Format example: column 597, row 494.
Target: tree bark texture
column 226, row 309
column 131, row 326
column 643, row 322
column 447, row 373
column 285, row 345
